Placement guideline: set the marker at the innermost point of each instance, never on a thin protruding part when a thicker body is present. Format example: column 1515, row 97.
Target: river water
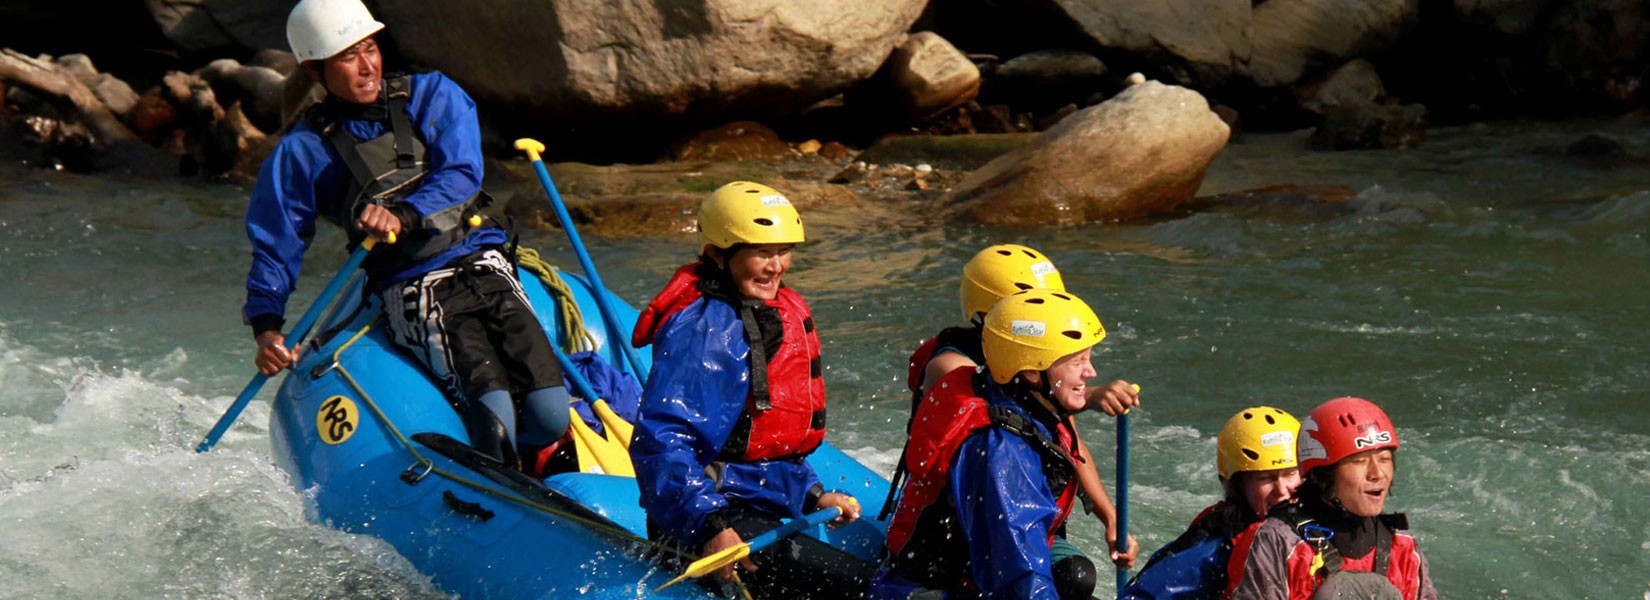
column 1490, row 292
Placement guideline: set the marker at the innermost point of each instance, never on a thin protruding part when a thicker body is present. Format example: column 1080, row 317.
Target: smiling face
column 1266, row 489
column 1363, row 480
column 354, row 75
column 1067, row 379
column 758, row 269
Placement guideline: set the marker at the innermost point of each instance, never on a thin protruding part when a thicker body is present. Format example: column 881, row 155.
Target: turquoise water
column 1492, row 294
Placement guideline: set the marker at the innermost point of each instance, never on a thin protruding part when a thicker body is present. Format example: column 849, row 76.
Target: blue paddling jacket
column 1193, row 566
column 306, row 177
column 1006, row 500
column 703, row 443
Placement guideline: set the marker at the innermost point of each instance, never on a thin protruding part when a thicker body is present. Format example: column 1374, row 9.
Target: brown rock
column 740, row 140
column 1144, row 151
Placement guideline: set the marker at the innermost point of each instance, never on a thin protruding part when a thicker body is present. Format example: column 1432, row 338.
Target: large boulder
column 203, row 24
column 565, row 58
column 1144, row 151
column 1293, row 38
column 929, row 75
column 1201, row 41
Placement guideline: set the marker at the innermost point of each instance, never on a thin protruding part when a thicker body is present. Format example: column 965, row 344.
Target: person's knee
column 1074, row 578
column 548, row 407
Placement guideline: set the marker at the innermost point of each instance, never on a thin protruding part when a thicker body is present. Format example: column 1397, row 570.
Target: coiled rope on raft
column 575, row 337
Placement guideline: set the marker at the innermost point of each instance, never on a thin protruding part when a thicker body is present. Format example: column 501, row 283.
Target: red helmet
column 1343, row 427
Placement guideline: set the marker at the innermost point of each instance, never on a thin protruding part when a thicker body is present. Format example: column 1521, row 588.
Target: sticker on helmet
column 1277, row 438
column 1042, row 269
column 1373, row 439
column 1028, row 328
column 775, row 201
column 1310, row 447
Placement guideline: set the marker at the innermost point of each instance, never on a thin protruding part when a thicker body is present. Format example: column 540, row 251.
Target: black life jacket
column 385, row 169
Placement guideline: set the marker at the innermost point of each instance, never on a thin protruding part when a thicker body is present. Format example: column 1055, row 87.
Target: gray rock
column 1371, row 127
column 1209, row 37
column 929, row 75
column 1355, row 83
column 202, row 24
column 1293, row 37
column 1142, row 152
column 565, row 58
column 115, row 94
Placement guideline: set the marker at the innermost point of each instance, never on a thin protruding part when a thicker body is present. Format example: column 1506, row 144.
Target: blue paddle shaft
column 615, row 336
column 1122, row 496
column 789, row 529
column 296, row 336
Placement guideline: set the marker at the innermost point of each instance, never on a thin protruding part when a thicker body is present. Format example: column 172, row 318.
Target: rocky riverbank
column 1053, row 126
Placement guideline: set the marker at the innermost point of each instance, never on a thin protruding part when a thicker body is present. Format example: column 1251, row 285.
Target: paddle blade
column 606, row 455
column 710, row 564
column 615, row 424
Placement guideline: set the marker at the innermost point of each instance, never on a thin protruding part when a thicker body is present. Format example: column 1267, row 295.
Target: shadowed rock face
column 565, row 58
column 1142, row 152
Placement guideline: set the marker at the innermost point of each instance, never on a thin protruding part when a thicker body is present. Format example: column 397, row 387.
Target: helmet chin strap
column 1043, row 393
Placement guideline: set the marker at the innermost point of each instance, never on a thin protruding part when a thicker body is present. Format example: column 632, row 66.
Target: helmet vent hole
column 1251, row 454
column 1248, row 416
column 1347, row 421
column 1029, row 253
column 765, row 222
column 1076, row 335
column 1022, row 286
column 1061, row 296
column 1005, row 253
column 1270, row 420
column 1035, row 301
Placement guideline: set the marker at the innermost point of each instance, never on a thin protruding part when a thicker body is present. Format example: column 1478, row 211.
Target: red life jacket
column 923, row 539
column 1313, row 563
column 784, row 416
column 964, row 339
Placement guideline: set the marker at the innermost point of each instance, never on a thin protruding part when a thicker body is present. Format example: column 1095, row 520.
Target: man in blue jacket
column 401, row 156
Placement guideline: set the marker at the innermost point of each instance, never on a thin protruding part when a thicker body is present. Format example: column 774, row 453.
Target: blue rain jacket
column 305, row 178
column 692, row 400
column 1006, row 511
column 1195, row 572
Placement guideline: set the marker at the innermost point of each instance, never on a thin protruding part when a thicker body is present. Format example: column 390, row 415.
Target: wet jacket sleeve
column 1005, row 512
column 452, row 140
column 1196, row 571
column 1262, row 562
column 280, row 221
column 691, row 401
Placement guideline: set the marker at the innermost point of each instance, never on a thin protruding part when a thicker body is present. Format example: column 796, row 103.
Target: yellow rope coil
column 578, row 339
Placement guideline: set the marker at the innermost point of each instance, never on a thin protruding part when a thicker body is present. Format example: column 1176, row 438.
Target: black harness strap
column 396, row 95
column 758, row 356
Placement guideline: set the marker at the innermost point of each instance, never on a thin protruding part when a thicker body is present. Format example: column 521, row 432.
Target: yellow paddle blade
column 710, row 564
column 581, row 449
column 609, row 456
column 615, row 424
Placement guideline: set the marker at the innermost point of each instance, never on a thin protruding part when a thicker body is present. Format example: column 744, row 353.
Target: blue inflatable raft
column 371, row 440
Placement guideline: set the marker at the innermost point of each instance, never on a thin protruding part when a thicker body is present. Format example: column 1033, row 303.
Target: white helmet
column 319, row 29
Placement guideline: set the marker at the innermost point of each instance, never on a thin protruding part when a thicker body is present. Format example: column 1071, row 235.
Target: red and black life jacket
column 1316, row 569
column 784, row 416
column 962, row 339
column 925, row 543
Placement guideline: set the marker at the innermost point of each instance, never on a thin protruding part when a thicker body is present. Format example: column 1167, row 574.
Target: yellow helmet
column 1261, row 438
column 748, row 213
column 1001, row 270
column 1030, row 330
